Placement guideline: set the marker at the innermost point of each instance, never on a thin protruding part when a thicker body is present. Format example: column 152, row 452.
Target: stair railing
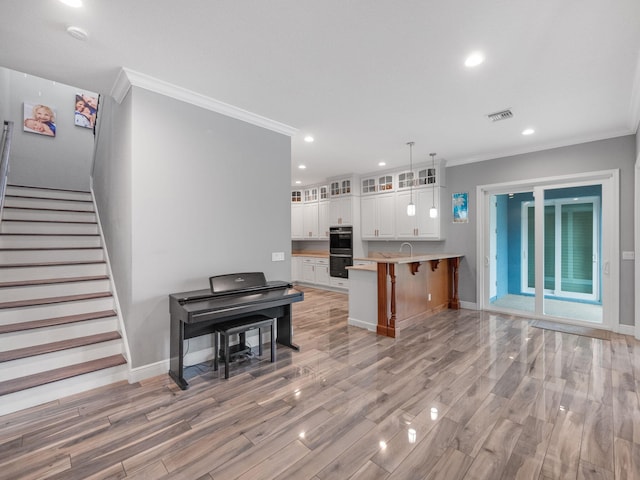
column 5, row 149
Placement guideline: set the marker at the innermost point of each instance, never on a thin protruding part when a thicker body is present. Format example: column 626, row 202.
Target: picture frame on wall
column 86, row 108
column 40, row 119
column 460, row 207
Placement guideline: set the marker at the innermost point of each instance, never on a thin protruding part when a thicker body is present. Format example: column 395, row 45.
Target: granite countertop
column 310, row 253
column 399, row 258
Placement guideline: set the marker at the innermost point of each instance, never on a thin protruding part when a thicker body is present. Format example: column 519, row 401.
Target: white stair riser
column 16, row 274
column 50, row 215
column 9, row 226
column 14, row 294
column 38, row 336
column 54, row 391
column 50, row 204
column 49, row 241
column 36, row 256
column 50, row 361
column 45, row 193
column 25, row 314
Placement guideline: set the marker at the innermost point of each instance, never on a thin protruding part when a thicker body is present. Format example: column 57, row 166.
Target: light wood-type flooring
column 466, row 395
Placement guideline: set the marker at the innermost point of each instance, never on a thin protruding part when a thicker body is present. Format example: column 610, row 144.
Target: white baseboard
column 468, row 305
column 162, row 367
column 626, row 330
column 362, row 324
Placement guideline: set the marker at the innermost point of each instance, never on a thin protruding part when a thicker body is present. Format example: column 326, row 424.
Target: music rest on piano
column 230, row 297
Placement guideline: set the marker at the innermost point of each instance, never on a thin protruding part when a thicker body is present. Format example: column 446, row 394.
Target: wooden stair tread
column 51, row 189
column 42, row 378
column 41, row 349
column 50, row 264
column 46, row 301
column 34, row 197
column 47, row 209
column 52, row 322
column 52, row 281
column 24, row 220
column 31, row 234
column 44, row 249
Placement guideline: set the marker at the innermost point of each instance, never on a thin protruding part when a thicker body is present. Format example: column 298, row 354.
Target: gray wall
column 60, row 162
column 112, row 189
column 205, row 195
column 616, row 153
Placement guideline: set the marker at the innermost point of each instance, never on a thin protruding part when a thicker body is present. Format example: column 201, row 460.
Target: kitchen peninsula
column 408, row 289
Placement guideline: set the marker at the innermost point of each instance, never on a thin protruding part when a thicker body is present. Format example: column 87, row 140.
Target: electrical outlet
column 277, row 256
column 429, row 296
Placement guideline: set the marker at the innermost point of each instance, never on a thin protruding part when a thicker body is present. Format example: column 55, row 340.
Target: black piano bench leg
column 273, row 342
column 216, row 344
column 260, row 342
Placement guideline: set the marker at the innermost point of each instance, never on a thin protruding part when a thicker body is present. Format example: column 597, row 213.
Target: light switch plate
column 277, row 256
column 628, row 255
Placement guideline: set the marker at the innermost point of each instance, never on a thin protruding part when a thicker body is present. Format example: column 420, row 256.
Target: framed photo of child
column 40, row 119
column 86, row 108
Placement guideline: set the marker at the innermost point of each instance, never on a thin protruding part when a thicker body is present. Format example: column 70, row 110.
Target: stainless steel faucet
column 410, row 248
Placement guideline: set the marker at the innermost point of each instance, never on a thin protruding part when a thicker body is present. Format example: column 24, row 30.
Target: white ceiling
column 362, row 76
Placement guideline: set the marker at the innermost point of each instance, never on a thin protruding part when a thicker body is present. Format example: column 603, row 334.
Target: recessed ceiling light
column 298, row 182
column 77, row 33
column 528, row 131
column 302, row 167
column 72, row 3
column 308, row 139
column 474, row 59
column 382, row 164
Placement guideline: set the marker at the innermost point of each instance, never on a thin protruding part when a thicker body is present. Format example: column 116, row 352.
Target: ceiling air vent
column 502, row 115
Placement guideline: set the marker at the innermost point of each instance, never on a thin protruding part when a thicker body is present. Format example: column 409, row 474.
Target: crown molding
column 538, row 148
column 128, row 78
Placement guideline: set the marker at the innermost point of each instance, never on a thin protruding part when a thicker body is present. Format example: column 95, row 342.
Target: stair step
column 51, row 300
column 39, row 272
column 57, row 346
column 47, row 228
column 49, row 264
column 30, row 381
column 50, row 281
column 50, row 214
column 40, row 312
column 34, row 254
column 46, row 192
column 20, row 240
column 52, row 322
column 45, row 203
column 56, row 289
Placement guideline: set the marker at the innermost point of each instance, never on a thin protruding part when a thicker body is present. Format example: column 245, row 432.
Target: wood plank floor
column 467, row 395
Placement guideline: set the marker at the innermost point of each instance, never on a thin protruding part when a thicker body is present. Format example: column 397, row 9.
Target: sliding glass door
column 543, row 251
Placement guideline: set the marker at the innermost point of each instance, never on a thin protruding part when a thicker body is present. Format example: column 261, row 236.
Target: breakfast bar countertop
column 399, row 258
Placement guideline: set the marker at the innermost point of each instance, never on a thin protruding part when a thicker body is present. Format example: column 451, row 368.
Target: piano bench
column 242, row 325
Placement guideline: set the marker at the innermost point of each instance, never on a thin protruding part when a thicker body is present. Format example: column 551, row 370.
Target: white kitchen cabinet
column 308, row 270
column 377, row 216
column 297, row 219
column 322, row 271
column 341, row 211
column 421, row 226
column 323, row 220
column 310, row 220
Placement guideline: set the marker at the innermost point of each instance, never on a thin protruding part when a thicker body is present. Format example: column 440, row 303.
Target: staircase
column 59, row 330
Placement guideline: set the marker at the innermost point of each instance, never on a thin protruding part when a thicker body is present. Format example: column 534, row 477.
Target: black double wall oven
column 340, row 251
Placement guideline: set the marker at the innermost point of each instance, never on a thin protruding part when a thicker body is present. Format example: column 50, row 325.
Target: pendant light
column 411, row 208
column 433, row 211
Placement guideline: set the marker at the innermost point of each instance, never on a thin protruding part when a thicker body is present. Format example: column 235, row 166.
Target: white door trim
column 611, row 257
